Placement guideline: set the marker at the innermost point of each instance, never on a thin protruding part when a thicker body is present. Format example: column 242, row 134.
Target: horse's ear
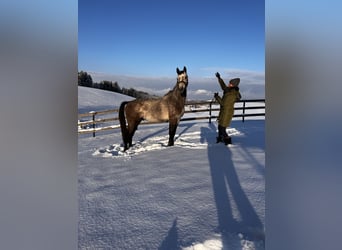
column 184, row 69
column 178, row 71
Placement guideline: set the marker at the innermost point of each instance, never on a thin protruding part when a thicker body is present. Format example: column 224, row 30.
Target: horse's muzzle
column 182, row 85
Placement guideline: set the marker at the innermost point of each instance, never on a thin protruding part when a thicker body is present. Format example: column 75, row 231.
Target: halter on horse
column 169, row 108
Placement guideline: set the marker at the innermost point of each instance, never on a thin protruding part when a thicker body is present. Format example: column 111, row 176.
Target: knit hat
column 235, row 82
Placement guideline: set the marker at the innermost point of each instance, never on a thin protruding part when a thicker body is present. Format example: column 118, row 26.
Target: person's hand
column 217, row 75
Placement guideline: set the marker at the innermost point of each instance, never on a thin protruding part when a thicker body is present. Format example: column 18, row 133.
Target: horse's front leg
column 172, row 131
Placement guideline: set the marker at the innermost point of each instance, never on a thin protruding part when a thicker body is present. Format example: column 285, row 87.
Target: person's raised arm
column 221, row 82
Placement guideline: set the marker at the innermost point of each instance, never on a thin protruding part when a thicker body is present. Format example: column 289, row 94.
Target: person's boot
column 227, row 140
column 218, row 139
column 221, row 134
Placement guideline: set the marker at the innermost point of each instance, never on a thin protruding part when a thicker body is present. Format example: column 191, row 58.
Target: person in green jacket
column 231, row 94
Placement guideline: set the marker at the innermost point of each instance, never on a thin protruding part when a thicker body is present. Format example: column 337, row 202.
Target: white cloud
column 201, row 91
column 247, row 76
column 252, row 83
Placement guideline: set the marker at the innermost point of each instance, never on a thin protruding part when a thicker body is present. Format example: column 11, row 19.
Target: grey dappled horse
column 169, row 108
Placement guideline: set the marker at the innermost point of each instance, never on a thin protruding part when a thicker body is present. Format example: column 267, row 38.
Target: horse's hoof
column 125, row 147
column 170, row 144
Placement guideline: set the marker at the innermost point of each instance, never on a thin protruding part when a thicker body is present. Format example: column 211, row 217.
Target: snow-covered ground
column 90, row 99
column 194, row 195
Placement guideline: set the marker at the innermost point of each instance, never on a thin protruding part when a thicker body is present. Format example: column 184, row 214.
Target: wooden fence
column 97, row 121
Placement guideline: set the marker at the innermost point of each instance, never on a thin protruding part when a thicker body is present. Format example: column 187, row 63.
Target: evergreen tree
column 84, row 79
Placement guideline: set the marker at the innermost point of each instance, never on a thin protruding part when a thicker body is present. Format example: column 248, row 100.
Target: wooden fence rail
column 93, row 121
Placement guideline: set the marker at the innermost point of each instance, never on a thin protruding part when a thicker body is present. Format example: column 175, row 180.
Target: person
column 231, row 94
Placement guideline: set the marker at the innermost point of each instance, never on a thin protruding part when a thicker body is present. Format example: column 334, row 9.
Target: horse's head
column 182, row 79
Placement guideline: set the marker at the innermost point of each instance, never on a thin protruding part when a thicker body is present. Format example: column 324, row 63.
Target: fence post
column 243, row 111
column 93, row 113
column 210, row 111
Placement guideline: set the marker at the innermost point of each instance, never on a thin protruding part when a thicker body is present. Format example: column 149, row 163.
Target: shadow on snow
column 226, row 186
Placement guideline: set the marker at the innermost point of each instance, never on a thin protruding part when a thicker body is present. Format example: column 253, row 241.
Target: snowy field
column 194, row 195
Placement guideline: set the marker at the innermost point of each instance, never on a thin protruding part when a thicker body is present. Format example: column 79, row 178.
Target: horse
column 168, row 108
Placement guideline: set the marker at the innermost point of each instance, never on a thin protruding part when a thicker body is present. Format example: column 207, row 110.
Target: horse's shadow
column 186, row 127
column 165, row 129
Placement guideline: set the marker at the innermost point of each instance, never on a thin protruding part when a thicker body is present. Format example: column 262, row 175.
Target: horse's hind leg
column 172, row 131
column 132, row 127
column 126, row 142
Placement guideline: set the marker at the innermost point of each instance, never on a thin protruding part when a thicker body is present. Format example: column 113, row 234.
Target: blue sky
column 152, row 38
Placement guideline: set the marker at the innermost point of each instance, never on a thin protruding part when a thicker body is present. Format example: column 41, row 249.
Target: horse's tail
column 122, row 118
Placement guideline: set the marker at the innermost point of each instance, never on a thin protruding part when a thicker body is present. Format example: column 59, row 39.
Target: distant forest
column 84, row 79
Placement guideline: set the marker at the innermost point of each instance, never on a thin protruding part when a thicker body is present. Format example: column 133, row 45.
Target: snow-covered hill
column 194, row 195
column 90, row 99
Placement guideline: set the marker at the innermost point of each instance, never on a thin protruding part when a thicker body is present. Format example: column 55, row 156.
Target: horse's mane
column 169, row 92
